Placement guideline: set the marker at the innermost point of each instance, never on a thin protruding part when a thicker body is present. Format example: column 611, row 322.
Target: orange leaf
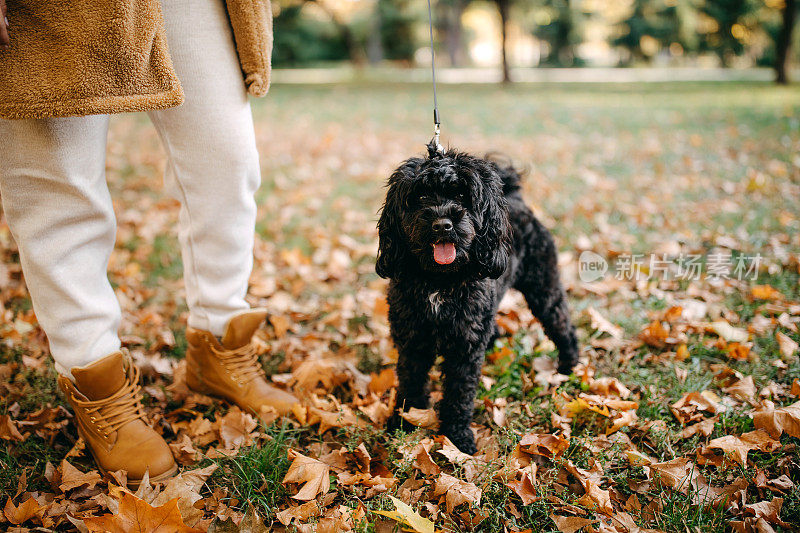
column 738, row 351
column 138, row 516
column 765, row 292
column 570, row 524
column 654, row 335
column 22, row 513
column 382, row 382
column 8, row 429
column 544, row 444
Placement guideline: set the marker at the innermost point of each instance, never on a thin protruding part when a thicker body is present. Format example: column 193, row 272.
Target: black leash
column 436, row 122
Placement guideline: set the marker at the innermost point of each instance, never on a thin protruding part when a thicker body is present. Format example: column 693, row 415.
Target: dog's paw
column 566, row 367
column 463, row 439
column 396, row 422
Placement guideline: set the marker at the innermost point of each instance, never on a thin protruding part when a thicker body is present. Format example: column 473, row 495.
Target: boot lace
column 125, row 405
column 242, row 363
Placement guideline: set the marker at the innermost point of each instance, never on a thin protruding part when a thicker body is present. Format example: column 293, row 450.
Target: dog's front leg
column 416, row 353
column 461, row 371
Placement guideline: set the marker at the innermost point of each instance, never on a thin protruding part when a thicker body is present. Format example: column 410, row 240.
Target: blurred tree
column 783, row 43
column 397, row 20
column 354, row 44
column 375, row 36
column 448, row 22
column 301, row 40
column 559, row 25
column 654, row 25
column 728, row 27
column 504, row 6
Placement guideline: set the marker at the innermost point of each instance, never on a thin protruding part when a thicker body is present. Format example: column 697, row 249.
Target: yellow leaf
column 579, row 405
column 728, row 332
column 404, row 514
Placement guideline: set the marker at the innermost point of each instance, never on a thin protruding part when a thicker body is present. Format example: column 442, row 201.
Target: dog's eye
column 424, row 197
column 460, row 196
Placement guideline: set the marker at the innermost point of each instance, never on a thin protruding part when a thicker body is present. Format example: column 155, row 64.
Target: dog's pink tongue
column 444, row 253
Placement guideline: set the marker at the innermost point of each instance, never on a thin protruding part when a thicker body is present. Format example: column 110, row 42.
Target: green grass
column 628, row 167
column 254, row 476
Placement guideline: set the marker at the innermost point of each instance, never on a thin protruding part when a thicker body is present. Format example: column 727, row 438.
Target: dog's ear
column 392, row 246
column 492, row 247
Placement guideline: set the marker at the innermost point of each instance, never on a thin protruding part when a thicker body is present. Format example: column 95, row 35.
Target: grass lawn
column 685, row 169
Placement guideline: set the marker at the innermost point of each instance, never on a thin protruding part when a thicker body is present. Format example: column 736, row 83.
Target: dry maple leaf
column 312, row 473
column 706, row 494
column 678, row 474
column 424, row 418
column 18, row 514
column 769, row 511
column 693, row 406
column 343, row 417
column 524, row 487
column 570, row 524
column 704, row 428
column 786, row 345
column 544, row 444
column 251, row 522
column 9, row 430
column 607, row 386
column 596, row 499
column 138, row 516
column 72, row 478
column 300, row 512
column 456, row 491
column 185, row 488
column 184, row 451
column 602, row 324
column 655, row 334
column 743, row 389
column 778, row 421
column 235, row 428
column 423, row 460
column 738, row 447
column 327, row 374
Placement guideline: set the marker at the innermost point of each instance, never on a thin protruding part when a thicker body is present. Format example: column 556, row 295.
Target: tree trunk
column 783, row 44
column 375, row 38
column 454, row 32
column 503, row 7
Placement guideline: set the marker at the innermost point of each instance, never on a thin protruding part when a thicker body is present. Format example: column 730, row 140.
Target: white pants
column 57, row 203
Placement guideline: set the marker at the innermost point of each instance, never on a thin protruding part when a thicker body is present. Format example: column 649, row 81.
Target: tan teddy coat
column 84, row 57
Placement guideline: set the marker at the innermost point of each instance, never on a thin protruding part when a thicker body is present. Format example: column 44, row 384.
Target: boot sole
column 202, row 389
column 135, row 483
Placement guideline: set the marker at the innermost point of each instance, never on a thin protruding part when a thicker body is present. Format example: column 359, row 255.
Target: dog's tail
column 512, row 176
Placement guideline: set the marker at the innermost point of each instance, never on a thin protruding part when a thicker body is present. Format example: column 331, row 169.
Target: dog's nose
column 442, row 225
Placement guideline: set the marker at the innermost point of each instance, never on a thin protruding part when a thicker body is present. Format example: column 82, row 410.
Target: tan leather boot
column 108, row 412
column 231, row 369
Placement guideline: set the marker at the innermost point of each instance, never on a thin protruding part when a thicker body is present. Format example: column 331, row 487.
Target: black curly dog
column 455, row 234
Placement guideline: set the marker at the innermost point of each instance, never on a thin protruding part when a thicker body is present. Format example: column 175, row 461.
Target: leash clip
column 436, row 133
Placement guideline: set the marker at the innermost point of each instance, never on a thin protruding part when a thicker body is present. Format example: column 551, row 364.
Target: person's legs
column 213, row 163
column 214, row 173
column 55, row 197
